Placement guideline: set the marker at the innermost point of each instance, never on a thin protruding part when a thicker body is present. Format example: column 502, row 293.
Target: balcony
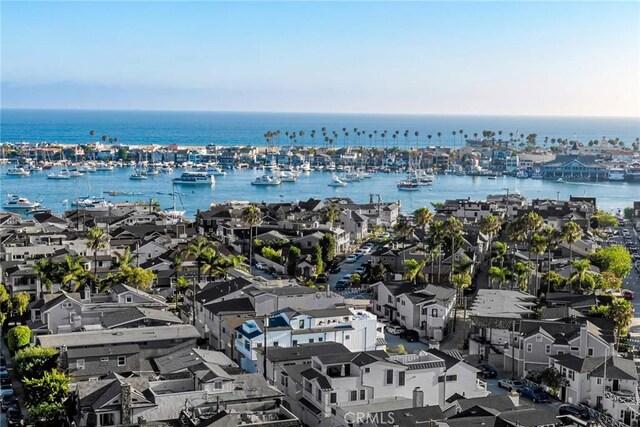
column 622, row 396
column 241, row 348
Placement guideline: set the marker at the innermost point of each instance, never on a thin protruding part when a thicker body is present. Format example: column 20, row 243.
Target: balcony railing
column 630, row 398
column 481, row 385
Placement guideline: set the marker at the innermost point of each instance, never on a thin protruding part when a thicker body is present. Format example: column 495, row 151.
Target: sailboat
column 63, row 174
column 174, row 215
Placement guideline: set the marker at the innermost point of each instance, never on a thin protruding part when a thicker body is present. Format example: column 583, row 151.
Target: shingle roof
column 122, row 317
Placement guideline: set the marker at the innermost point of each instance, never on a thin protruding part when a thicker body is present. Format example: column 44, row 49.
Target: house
column 357, row 330
column 572, row 166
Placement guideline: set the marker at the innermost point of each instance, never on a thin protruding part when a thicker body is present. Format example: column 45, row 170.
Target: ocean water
column 236, row 185
column 202, row 128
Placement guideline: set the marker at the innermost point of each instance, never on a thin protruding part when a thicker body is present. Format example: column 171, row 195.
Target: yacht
column 213, row 171
column 286, row 176
column 421, row 177
column 266, row 180
column 616, row 174
column 33, row 168
column 560, row 180
column 537, row 174
column 166, row 169
column 104, row 167
column 87, row 169
column 138, row 175
column 409, row 185
column 18, row 171
column 75, row 173
column 19, row 203
column 305, row 167
column 523, row 174
column 337, row 182
column 633, row 172
column 63, row 174
column 195, row 178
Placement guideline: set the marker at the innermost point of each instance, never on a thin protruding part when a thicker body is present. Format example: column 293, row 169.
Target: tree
column 317, row 258
column 413, row 270
column 47, row 271
column 355, row 280
column 196, row 249
column 498, row 274
column 211, row 262
column 33, row 362
column 330, row 213
column 521, row 274
column 423, row 217
column 52, row 387
column 20, row 302
column 47, row 414
column 136, row 277
column 552, row 378
column 251, row 215
column 621, row 314
column 500, row 252
column 571, row 233
column 18, row 337
column 328, row 247
column 5, row 304
column 97, row 240
column 72, row 273
column 538, row 246
column 490, row 225
column 376, row 273
column 629, row 213
column 460, row 282
column 292, row 260
column 581, row 279
column 402, row 230
column 181, row 285
column 615, row 259
column 603, row 219
column 126, row 259
column 607, row 280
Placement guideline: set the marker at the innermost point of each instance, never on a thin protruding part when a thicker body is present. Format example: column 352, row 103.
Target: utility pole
column 513, row 358
column 265, row 322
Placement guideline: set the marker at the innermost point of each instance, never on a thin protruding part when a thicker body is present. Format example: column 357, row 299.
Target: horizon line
column 345, row 113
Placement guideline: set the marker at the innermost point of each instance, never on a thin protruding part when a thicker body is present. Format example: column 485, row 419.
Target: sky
column 504, row 58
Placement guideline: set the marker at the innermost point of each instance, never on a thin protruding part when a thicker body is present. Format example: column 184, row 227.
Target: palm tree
column 330, row 213
column 532, row 222
column 498, row 274
column 621, row 313
column 92, row 132
column 521, row 275
column 452, row 232
column 210, row 262
column 571, row 233
column 436, row 239
column 47, row 271
column 538, row 246
column 439, row 135
column 97, row 240
column 581, row 279
column 552, row 237
column 72, row 272
column 402, row 230
column 501, row 252
column 413, row 270
column 196, row 249
column 460, row 282
column 490, row 225
column 423, row 217
column 251, row 216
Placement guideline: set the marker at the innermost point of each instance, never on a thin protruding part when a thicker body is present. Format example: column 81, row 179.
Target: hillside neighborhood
column 498, row 312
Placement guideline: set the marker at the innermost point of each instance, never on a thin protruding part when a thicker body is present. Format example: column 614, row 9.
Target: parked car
column 322, row 278
column 537, row 394
column 6, row 390
column 351, row 259
column 261, row 266
column 366, row 250
column 627, row 294
column 487, row 371
column 3, row 373
column 335, row 269
column 9, row 402
column 14, row 417
column 575, row 411
column 410, row 335
column 359, row 271
column 342, row 284
column 515, row 385
column 394, row 329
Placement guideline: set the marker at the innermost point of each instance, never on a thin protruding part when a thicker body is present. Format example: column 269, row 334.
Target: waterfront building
column 577, row 167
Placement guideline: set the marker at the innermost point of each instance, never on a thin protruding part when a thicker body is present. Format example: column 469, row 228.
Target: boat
column 18, row 171
column 19, row 203
column 560, row 180
column 492, row 177
column 75, row 173
column 266, row 180
column 152, row 171
column 421, row 177
column 409, row 185
column 194, row 178
column 87, row 169
column 104, row 167
column 337, row 182
column 214, row 171
column 305, row 167
column 537, row 174
column 633, row 172
column 33, row 168
column 616, row 174
column 286, row 176
column 166, row 169
column 63, row 174
column 138, row 175
column 522, row 174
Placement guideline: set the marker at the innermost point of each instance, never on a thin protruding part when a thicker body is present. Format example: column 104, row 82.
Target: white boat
column 560, row 180
column 353, row 177
column 337, row 182
column 104, row 167
column 166, row 169
column 266, row 180
column 87, row 169
column 152, row 171
column 195, row 178
column 33, row 168
column 75, row 173
column 616, row 174
column 421, row 177
column 409, row 185
column 18, row 171
column 522, row 174
column 287, row 176
column 633, row 172
column 63, row 174
column 19, row 203
column 305, row 167
column 537, row 174
column 138, row 175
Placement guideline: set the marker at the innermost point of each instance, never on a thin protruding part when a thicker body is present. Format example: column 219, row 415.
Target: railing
column 481, row 385
column 621, row 399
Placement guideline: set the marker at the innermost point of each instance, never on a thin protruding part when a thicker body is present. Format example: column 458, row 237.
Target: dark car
column 410, row 335
column 537, row 394
column 9, row 402
column 342, row 284
column 575, row 411
column 322, row 278
column 14, row 417
column 487, row 371
column 335, row 269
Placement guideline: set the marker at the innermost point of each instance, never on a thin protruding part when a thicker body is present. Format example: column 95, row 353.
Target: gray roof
column 305, row 351
column 81, row 353
column 186, row 356
column 122, row 317
column 119, row 336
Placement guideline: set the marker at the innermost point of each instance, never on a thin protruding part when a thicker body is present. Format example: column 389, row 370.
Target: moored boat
column 19, row 203
column 266, row 180
column 18, row 171
column 194, row 178
column 337, row 182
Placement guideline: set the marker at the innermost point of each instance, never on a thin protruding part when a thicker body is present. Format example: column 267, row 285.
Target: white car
column 261, row 266
column 366, row 250
column 394, row 329
column 351, row 259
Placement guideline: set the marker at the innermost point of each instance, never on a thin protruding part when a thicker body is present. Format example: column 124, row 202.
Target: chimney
column 127, row 410
column 515, row 398
column 85, row 293
column 418, row 398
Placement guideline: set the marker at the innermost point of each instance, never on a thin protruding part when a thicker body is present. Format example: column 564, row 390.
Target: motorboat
column 87, row 169
column 19, row 203
column 266, row 180
column 616, row 174
column 138, row 175
column 522, row 174
column 537, row 174
column 166, row 169
column 63, row 174
column 337, row 182
column 286, row 176
column 104, row 167
column 74, row 173
column 560, row 180
column 421, row 177
column 409, row 185
column 305, row 167
column 18, row 171
column 195, row 178
column 633, row 172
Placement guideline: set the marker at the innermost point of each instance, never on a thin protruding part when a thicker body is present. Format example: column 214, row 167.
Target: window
column 275, row 343
column 434, row 312
column 599, row 381
column 104, row 359
column 320, row 339
column 308, row 386
column 363, row 394
column 539, row 338
column 389, row 299
column 319, row 394
column 80, row 364
column 401, row 378
column 353, row 396
column 122, row 360
column 402, row 302
column 572, row 375
column 575, row 349
column 301, row 324
column 295, row 343
column 547, row 349
column 452, row 378
column 367, row 370
column 107, row 419
column 128, row 298
column 590, row 351
column 217, row 385
column 529, row 348
column 347, row 337
column 333, row 398
column 389, row 377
